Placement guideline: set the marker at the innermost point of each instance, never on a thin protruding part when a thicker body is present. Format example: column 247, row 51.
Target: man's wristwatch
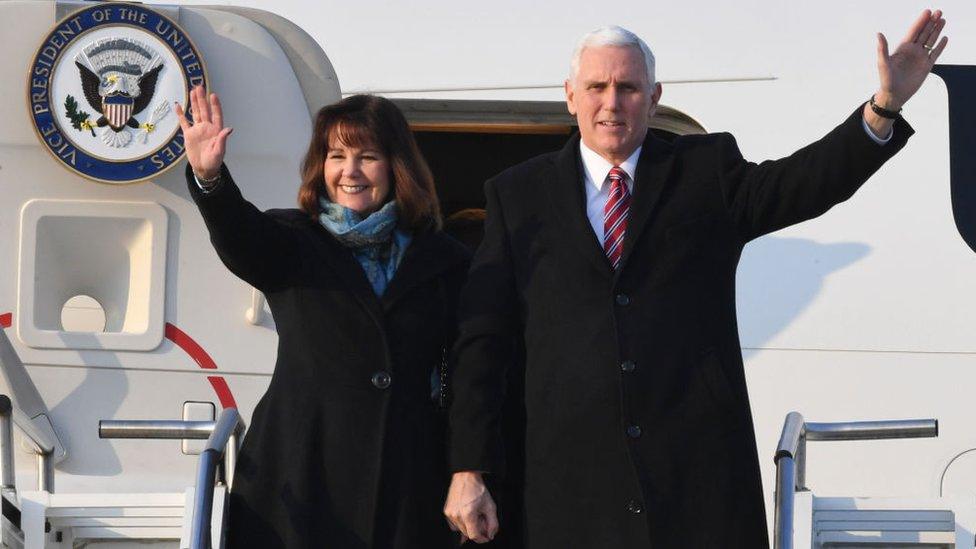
column 883, row 112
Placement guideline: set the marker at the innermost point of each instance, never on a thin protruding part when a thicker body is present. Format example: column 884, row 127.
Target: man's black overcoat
column 639, row 432
column 346, row 449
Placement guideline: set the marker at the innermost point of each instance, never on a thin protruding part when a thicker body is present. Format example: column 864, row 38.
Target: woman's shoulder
column 290, row 216
column 450, row 246
column 439, row 253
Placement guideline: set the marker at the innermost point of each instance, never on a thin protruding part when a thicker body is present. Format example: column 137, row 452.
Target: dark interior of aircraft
column 462, row 162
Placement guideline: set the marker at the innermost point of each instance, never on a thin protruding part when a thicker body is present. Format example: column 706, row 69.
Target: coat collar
column 428, row 255
column 569, row 200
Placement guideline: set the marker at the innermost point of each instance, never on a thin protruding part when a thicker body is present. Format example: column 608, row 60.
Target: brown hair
column 370, row 121
column 468, row 226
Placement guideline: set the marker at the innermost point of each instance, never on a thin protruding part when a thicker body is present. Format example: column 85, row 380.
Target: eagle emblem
column 118, row 77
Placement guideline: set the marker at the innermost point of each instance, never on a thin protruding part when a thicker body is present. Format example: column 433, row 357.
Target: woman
column 345, row 449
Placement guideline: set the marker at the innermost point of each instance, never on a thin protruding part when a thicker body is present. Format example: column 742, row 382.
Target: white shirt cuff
column 875, row 138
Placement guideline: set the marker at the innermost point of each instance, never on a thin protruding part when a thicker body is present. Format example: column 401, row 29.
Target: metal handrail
column 7, row 477
column 225, row 436
column 31, row 416
column 155, row 429
column 790, row 457
column 41, row 442
column 223, row 441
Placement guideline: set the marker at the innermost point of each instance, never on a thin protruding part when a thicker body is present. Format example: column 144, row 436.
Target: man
column 613, row 261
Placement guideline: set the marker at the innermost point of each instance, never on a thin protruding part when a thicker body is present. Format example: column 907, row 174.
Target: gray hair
column 611, row 36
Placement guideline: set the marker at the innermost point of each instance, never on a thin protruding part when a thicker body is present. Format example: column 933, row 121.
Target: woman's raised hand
column 206, row 137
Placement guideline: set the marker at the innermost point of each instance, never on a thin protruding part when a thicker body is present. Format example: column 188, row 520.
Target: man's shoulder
column 531, row 169
column 704, row 147
column 702, row 140
column 542, row 166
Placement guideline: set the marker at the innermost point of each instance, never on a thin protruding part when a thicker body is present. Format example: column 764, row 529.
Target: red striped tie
column 615, row 216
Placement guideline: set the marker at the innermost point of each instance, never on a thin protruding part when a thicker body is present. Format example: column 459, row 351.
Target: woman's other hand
column 206, row 137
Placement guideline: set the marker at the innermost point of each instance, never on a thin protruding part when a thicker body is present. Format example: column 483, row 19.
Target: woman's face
column 357, row 178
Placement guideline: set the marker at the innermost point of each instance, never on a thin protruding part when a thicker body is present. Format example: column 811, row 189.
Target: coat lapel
column 650, row 179
column 569, row 201
column 350, row 272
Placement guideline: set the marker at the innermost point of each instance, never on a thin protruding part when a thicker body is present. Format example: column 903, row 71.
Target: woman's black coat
column 346, row 448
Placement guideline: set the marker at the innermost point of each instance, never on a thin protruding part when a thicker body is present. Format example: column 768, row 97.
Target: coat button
column 622, row 300
column 381, row 379
column 634, row 431
column 627, row 366
column 635, row 507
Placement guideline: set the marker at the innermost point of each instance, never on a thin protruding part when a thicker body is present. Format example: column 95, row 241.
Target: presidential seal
column 101, row 90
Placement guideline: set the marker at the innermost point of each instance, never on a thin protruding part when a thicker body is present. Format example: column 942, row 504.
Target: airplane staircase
column 806, row 521
column 44, row 519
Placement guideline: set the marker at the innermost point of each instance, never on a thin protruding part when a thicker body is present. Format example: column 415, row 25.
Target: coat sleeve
column 762, row 198
column 488, row 317
column 258, row 248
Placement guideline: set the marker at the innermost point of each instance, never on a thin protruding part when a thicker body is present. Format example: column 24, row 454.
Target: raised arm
column 206, row 137
column 261, row 250
column 901, row 73
column 774, row 194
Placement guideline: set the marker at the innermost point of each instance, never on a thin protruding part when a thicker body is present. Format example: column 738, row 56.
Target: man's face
column 612, row 100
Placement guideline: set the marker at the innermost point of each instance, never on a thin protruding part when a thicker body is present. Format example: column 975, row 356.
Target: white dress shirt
column 596, row 169
column 595, row 172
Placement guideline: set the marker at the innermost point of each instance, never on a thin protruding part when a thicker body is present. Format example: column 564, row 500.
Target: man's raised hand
column 902, row 72
column 206, row 137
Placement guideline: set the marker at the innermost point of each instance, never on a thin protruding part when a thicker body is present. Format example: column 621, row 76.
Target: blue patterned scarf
column 375, row 241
